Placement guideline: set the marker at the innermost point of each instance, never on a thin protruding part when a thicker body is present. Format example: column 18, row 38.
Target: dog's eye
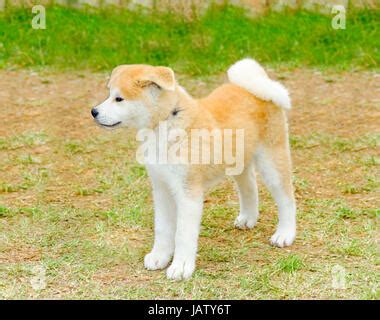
column 119, row 99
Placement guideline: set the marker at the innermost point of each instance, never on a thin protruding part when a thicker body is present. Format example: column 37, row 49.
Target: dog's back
column 251, row 101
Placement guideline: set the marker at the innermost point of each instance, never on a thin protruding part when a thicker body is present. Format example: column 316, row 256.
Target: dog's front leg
column 164, row 227
column 189, row 213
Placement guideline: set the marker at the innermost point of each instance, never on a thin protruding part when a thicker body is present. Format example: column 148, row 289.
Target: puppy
column 145, row 97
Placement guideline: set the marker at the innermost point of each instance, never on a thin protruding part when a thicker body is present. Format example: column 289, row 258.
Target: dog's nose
column 94, row 112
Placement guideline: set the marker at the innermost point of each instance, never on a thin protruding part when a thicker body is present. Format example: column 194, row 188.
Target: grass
column 336, row 143
column 24, row 140
column 99, row 39
column 290, row 264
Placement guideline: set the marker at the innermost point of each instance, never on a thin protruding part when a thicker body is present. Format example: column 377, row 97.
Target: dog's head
column 140, row 96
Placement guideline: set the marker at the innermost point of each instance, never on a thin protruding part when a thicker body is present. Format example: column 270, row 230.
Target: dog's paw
column 283, row 238
column 180, row 270
column 245, row 222
column 156, row 260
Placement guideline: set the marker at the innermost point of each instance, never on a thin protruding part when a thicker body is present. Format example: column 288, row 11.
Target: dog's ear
column 115, row 73
column 162, row 77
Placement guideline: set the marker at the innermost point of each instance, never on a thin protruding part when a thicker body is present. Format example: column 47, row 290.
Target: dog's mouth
column 110, row 125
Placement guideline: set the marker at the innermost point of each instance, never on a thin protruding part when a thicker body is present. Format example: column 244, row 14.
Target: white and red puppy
column 143, row 96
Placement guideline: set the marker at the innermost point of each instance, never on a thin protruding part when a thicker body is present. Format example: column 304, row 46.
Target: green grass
column 290, row 264
column 336, row 144
column 24, row 140
column 99, row 39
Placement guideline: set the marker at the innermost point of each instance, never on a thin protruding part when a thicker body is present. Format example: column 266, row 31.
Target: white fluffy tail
column 248, row 74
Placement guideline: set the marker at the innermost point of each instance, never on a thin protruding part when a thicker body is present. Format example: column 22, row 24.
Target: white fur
column 248, row 74
column 177, row 222
column 165, row 218
column 248, row 197
column 129, row 113
column 286, row 228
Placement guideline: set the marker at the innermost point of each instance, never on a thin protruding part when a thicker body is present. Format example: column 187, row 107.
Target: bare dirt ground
column 73, row 199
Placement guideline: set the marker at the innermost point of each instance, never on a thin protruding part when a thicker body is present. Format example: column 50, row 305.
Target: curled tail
column 248, row 74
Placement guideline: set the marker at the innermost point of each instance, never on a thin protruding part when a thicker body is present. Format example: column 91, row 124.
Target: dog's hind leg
column 248, row 197
column 274, row 165
column 164, row 227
